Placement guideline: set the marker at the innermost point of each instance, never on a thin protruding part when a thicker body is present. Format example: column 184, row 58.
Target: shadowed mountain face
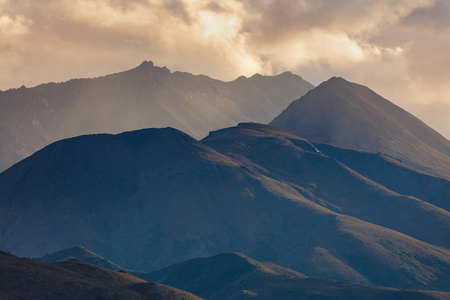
column 349, row 115
column 235, row 276
column 320, row 174
column 146, row 96
column 149, row 198
column 25, row 279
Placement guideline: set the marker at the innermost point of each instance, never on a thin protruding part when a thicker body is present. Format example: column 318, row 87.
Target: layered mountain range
column 236, row 276
column 341, row 185
column 30, row 279
column 146, row 96
column 153, row 197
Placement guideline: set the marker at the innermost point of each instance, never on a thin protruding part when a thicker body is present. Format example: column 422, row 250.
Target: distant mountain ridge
column 235, row 276
column 31, row 279
column 350, row 115
column 146, row 96
column 153, row 197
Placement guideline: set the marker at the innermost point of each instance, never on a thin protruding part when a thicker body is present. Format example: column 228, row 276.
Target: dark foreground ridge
column 235, row 276
column 31, row 279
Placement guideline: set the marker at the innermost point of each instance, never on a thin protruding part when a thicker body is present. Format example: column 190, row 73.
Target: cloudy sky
column 399, row 48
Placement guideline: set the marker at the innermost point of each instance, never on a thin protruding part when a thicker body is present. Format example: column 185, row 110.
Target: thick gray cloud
column 400, row 48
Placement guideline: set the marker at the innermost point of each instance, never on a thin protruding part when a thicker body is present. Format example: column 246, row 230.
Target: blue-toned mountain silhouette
column 31, row 279
column 148, row 198
column 235, row 276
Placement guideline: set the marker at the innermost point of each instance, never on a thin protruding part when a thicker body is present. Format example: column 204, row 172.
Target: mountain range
column 153, row 197
column 31, row 279
column 343, row 192
column 235, row 276
column 146, row 96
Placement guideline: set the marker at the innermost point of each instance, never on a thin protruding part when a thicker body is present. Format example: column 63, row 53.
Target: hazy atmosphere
column 399, row 48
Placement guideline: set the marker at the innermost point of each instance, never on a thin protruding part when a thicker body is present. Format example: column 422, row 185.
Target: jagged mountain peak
column 145, row 96
column 147, row 69
column 147, row 64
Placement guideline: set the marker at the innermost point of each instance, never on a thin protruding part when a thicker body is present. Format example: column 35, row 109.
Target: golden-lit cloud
column 400, row 48
column 12, row 27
